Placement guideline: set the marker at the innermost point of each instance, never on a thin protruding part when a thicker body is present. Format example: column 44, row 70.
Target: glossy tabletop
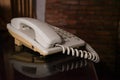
column 26, row 65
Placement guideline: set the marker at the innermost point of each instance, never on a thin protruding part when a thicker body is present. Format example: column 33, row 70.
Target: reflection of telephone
column 47, row 39
column 35, row 67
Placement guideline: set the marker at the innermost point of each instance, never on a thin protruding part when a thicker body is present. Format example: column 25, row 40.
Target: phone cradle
column 47, row 39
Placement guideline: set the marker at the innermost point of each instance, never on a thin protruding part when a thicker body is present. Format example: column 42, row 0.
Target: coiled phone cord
column 90, row 54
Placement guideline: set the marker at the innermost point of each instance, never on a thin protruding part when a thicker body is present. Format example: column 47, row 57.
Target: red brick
column 94, row 21
column 71, row 2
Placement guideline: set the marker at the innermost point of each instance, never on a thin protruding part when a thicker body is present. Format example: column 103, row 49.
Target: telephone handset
column 44, row 34
column 47, row 39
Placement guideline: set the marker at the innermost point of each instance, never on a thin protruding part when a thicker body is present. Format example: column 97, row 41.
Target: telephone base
column 47, row 40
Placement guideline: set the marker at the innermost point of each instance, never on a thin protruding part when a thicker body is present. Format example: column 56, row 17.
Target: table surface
column 26, row 65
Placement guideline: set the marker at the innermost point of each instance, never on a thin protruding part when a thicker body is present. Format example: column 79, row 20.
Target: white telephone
column 47, row 39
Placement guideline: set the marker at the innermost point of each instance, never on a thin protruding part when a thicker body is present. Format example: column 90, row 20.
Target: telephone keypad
column 65, row 35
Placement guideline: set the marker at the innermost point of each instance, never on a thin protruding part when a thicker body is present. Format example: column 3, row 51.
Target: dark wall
column 95, row 21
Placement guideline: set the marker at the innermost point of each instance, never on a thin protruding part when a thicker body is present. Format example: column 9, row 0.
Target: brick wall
column 95, row 21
